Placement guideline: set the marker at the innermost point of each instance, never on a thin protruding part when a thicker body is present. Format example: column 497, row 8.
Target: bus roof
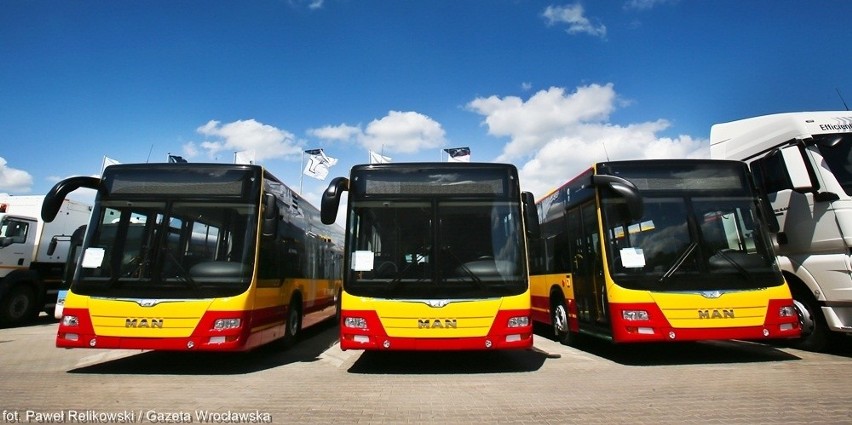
column 746, row 138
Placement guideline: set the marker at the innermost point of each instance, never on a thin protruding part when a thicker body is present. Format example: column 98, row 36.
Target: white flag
column 107, row 161
column 318, row 164
column 376, row 158
column 244, row 157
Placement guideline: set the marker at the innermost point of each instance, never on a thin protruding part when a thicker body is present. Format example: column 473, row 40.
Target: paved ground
column 315, row 382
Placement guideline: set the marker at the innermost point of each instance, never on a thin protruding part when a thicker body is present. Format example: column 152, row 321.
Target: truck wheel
column 815, row 333
column 18, row 306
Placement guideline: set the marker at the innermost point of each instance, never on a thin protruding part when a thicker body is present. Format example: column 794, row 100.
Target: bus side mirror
column 77, row 236
column 530, row 215
column 53, row 200
column 626, row 190
column 270, row 215
column 331, row 199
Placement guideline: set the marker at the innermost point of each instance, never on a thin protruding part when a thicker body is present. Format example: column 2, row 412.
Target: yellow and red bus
column 215, row 257
column 435, row 256
column 659, row 250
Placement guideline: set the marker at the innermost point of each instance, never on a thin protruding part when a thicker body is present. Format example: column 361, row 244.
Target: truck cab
column 802, row 163
column 33, row 255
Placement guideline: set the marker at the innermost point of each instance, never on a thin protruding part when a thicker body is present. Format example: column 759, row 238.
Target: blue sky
column 543, row 85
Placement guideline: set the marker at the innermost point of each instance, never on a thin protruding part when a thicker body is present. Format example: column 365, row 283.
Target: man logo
column 716, row 314
column 436, row 324
column 132, row 322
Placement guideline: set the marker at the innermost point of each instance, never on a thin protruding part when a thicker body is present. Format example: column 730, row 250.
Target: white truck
column 802, row 162
column 33, row 255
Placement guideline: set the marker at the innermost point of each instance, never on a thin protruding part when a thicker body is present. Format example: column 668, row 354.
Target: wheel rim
column 293, row 322
column 806, row 320
column 560, row 320
column 19, row 306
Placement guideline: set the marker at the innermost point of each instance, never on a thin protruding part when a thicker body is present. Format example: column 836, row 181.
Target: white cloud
column 266, row 140
column 548, row 114
column 555, row 136
column 403, row 132
column 340, row 132
column 646, row 4
column 572, row 15
column 13, row 180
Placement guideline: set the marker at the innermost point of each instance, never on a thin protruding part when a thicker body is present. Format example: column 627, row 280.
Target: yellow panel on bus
column 437, row 318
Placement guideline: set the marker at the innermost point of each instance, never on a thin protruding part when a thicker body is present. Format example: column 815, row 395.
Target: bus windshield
column 435, row 249
column 699, row 232
column 168, row 249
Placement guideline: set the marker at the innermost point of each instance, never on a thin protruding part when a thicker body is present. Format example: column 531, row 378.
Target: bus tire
column 18, row 306
column 559, row 320
column 338, row 307
column 815, row 333
column 293, row 326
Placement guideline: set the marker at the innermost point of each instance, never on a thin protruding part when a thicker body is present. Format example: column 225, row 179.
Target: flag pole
column 301, row 171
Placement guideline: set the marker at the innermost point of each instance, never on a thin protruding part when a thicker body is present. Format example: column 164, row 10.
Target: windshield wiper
column 475, row 279
column 416, row 257
column 679, row 262
column 734, row 263
column 184, row 274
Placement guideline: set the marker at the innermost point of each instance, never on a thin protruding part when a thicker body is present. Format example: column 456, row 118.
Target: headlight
column 634, row 315
column 787, row 311
column 70, row 321
column 222, row 324
column 355, row 322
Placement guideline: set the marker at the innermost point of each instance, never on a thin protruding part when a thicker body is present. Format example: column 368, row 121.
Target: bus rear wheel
column 561, row 326
column 294, row 322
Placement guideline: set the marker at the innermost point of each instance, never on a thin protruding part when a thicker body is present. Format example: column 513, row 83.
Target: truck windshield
column 12, row 231
column 836, row 150
column 174, row 249
column 435, row 249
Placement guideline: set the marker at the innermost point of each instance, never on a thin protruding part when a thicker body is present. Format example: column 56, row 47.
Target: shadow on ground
column 678, row 353
column 448, row 362
column 311, row 344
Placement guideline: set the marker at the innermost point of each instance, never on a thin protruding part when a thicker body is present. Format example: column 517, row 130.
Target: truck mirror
column 797, row 168
column 51, row 248
column 331, row 199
